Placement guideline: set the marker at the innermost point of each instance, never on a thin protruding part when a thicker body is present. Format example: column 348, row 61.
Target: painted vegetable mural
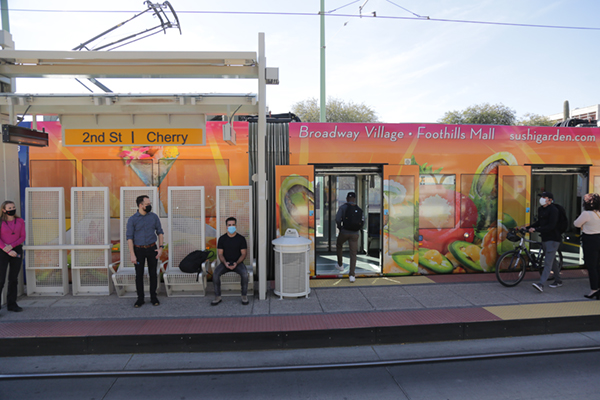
column 459, row 232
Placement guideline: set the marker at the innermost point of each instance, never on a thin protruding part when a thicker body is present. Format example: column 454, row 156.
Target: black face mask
column 148, row 208
column 11, row 212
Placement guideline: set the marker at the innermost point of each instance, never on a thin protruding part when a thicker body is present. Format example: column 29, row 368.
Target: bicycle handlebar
column 522, row 232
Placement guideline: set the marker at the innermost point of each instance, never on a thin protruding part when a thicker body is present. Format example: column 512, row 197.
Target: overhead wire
column 407, row 10
column 312, row 14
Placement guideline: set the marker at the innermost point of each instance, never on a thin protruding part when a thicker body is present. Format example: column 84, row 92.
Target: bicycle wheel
column 510, row 268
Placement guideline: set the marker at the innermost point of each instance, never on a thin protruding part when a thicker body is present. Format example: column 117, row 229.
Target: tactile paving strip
column 375, row 281
column 546, row 310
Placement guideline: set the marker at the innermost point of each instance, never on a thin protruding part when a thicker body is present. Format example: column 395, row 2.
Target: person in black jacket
column 348, row 234
column 547, row 226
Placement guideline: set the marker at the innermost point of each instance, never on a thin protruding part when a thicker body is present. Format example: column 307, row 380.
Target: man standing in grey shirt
column 142, row 230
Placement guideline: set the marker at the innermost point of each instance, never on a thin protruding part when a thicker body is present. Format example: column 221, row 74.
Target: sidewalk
column 336, row 313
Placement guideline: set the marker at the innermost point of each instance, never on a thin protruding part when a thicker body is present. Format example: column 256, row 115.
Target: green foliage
column 481, row 114
column 530, row 119
column 336, row 111
column 424, row 168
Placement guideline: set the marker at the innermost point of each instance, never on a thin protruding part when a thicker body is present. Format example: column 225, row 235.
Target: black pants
column 13, row 264
column 143, row 254
column 591, row 257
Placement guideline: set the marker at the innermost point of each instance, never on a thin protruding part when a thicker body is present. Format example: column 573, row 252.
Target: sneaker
column 352, row 279
column 245, row 300
column 538, row 286
column 155, row 302
column 339, row 267
column 555, row 284
column 216, row 301
column 139, row 303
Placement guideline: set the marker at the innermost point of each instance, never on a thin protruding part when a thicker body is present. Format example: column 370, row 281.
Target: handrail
column 67, row 247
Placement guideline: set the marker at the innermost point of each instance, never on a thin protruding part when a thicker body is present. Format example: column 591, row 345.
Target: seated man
column 231, row 250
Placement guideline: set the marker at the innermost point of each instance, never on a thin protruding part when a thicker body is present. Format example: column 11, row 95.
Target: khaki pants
column 353, row 243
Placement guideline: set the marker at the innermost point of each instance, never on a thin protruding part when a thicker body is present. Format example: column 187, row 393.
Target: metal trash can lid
column 291, row 238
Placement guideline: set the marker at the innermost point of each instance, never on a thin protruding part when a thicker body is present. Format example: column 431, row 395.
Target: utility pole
column 323, row 116
column 9, row 162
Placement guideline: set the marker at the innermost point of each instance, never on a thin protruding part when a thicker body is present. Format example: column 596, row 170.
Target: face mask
column 11, row 212
column 231, row 229
column 148, row 208
column 543, row 201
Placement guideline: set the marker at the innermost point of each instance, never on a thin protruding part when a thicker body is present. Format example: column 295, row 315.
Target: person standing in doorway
column 231, row 251
column 143, row 228
column 547, row 226
column 12, row 236
column 349, row 220
column 589, row 222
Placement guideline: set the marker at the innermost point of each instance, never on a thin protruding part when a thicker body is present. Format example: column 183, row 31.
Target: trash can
column 291, row 265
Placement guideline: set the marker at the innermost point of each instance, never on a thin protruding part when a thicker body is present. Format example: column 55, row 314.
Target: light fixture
column 23, row 136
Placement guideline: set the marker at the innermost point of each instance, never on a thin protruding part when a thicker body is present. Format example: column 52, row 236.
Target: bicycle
column 512, row 265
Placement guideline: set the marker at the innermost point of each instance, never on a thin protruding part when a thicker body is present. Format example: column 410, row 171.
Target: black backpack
column 192, row 263
column 563, row 222
column 353, row 218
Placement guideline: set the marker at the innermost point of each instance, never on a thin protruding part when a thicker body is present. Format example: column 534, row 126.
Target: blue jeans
column 239, row 269
column 550, row 263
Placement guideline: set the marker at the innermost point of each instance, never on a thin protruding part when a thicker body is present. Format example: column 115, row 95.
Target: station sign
column 141, row 130
column 133, row 137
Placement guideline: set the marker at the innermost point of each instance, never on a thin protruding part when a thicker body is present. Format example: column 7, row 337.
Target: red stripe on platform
column 285, row 323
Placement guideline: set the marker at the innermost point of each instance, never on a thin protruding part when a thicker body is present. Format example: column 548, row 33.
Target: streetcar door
column 400, row 219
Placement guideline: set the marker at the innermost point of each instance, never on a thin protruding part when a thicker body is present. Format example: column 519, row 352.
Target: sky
column 403, row 65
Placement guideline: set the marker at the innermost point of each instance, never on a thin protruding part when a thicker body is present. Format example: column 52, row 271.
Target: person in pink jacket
column 12, row 236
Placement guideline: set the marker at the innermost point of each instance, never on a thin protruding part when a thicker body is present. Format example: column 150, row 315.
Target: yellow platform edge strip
column 366, row 282
column 546, row 310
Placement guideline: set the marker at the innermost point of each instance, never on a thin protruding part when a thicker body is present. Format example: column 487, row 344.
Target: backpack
column 192, row 263
column 563, row 222
column 353, row 218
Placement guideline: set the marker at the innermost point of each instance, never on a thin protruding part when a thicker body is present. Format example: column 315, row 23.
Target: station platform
column 380, row 310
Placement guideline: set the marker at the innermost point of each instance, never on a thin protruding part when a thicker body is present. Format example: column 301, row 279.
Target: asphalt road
column 554, row 376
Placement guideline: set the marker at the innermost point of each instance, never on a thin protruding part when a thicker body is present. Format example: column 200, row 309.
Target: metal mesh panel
column 187, row 224
column 43, row 258
column 88, row 223
column 48, row 278
column 43, row 217
column 236, row 202
column 294, row 272
column 93, row 276
column 88, row 258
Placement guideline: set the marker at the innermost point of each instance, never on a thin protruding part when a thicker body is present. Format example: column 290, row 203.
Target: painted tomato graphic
column 462, row 214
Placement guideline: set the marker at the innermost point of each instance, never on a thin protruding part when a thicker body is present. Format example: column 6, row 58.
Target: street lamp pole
column 323, row 116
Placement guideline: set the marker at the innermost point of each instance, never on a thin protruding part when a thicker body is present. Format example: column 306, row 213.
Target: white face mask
column 543, row 201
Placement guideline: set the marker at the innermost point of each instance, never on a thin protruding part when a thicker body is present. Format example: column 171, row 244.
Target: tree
column 531, row 119
column 481, row 114
column 336, row 111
